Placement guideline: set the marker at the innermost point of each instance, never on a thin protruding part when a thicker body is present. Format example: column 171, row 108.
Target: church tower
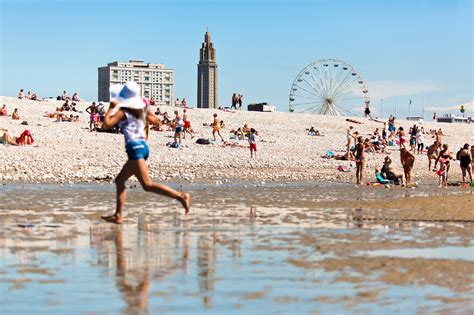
column 207, row 75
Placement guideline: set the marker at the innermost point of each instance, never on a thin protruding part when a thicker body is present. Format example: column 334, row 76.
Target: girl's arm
column 88, row 110
column 111, row 121
column 153, row 119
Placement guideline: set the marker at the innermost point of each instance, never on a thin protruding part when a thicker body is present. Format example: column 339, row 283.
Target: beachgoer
column 360, row 159
column 420, row 140
column 15, row 114
column 178, row 127
column 439, row 136
column 401, row 137
column 432, row 153
column 184, row 103
column 349, row 137
column 177, row 102
column 187, row 125
column 390, row 172
column 101, row 111
column 21, row 94
column 444, row 158
column 3, row 110
column 75, row 97
column 412, row 133
column 234, row 101
column 131, row 119
column 313, row 132
column 253, row 142
column 239, row 100
column 93, row 116
column 152, row 101
column 465, row 160
column 435, row 116
column 216, row 127
column 472, row 157
column 367, row 111
column 65, row 96
column 407, row 159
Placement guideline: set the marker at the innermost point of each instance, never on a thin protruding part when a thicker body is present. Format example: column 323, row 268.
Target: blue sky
column 419, row 50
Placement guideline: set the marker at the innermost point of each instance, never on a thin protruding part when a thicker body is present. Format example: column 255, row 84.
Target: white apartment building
column 155, row 80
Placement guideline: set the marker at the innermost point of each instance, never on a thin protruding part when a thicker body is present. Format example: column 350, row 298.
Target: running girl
column 131, row 117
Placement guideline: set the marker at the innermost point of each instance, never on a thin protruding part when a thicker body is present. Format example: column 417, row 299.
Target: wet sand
column 278, row 248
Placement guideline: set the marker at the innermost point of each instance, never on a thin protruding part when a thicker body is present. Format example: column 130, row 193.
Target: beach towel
column 329, row 153
column 382, row 180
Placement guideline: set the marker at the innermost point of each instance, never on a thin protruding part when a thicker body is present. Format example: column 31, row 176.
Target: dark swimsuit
column 465, row 161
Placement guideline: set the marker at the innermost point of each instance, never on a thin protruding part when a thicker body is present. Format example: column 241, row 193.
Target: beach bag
column 203, row 141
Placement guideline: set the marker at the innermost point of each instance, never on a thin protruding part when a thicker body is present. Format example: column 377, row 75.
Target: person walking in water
column 131, row 117
column 216, row 127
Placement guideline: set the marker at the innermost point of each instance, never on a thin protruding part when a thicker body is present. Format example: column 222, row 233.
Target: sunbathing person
column 390, row 172
column 15, row 115
column 313, row 132
column 75, row 97
column 25, row 138
column 3, row 110
column 21, row 95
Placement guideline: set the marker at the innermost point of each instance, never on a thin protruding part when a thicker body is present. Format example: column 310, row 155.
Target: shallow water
column 242, row 249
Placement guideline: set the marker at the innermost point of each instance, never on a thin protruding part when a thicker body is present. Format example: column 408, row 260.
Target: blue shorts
column 179, row 129
column 137, row 150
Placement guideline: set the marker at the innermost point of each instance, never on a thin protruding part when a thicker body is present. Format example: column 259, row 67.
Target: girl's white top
column 252, row 139
column 133, row 128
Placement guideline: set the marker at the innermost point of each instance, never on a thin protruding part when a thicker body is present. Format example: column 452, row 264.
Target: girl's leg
column 141, row 171
column 463, row 171
column 214, row 134
column 126, row 172
column 219, row 132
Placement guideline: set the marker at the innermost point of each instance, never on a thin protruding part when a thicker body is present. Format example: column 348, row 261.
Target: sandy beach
column 67, row 152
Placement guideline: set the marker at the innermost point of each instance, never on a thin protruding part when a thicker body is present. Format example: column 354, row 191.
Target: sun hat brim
column 135, row 102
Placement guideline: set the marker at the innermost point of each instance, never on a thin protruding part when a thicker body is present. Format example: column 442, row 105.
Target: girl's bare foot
column 113, row 218
column 186, row 202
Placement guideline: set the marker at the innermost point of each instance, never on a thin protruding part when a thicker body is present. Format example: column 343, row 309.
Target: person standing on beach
column 420, row 140
column 253, row 142
column 465, row 160
column 349, row 137
column 407, row 159
column 360, row 159
column 234, row 101
column 93, row 116
column 239, row 100
column 216, row 127
column 179, row 126
column 444, row 158
column 187, row 125
column 131, row 117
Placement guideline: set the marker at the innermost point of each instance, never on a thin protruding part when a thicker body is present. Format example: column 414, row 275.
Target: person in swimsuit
column 253, row 142
column 407, row 159
column 216, row 127
column 131, row 118
column 465, row 159
column 15, row 115
column 360, row 159
column 401, row 137
column 443, row 159
column 93, row 116
column 187, row 125
column 179, row 127
column 349, row 137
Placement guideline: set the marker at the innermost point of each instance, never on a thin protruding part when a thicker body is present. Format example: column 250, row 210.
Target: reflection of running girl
column 131, row 118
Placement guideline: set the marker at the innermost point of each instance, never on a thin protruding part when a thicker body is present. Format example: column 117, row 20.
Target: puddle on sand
column 464, row 253
column 235, row 253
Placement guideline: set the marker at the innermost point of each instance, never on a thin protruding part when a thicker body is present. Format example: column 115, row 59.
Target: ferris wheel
column 329, row 87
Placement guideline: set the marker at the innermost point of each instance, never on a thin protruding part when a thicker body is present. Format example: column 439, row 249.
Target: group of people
column 178, row 103
column 74, row 98
column 4, row 112
column 236, row 101
column 28, row 96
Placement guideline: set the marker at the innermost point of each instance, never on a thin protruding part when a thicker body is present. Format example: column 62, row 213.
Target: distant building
column 155, row 80
column 207, row 75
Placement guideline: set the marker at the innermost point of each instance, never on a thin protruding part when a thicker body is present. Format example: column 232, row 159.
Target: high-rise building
column 207, row 75
column 155, row 80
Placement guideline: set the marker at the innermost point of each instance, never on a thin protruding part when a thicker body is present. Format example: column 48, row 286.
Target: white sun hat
column 127, row 95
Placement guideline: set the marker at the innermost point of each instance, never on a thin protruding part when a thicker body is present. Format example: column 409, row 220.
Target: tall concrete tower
column 207, row 75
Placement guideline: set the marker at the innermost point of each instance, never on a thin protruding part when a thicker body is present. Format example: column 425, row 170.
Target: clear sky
column 419, row 50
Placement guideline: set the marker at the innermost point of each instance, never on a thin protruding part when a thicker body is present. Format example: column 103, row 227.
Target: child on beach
column 216, row 127
column 253, row 142
column 179, row 125
column 443, row 158
column 131, row 117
